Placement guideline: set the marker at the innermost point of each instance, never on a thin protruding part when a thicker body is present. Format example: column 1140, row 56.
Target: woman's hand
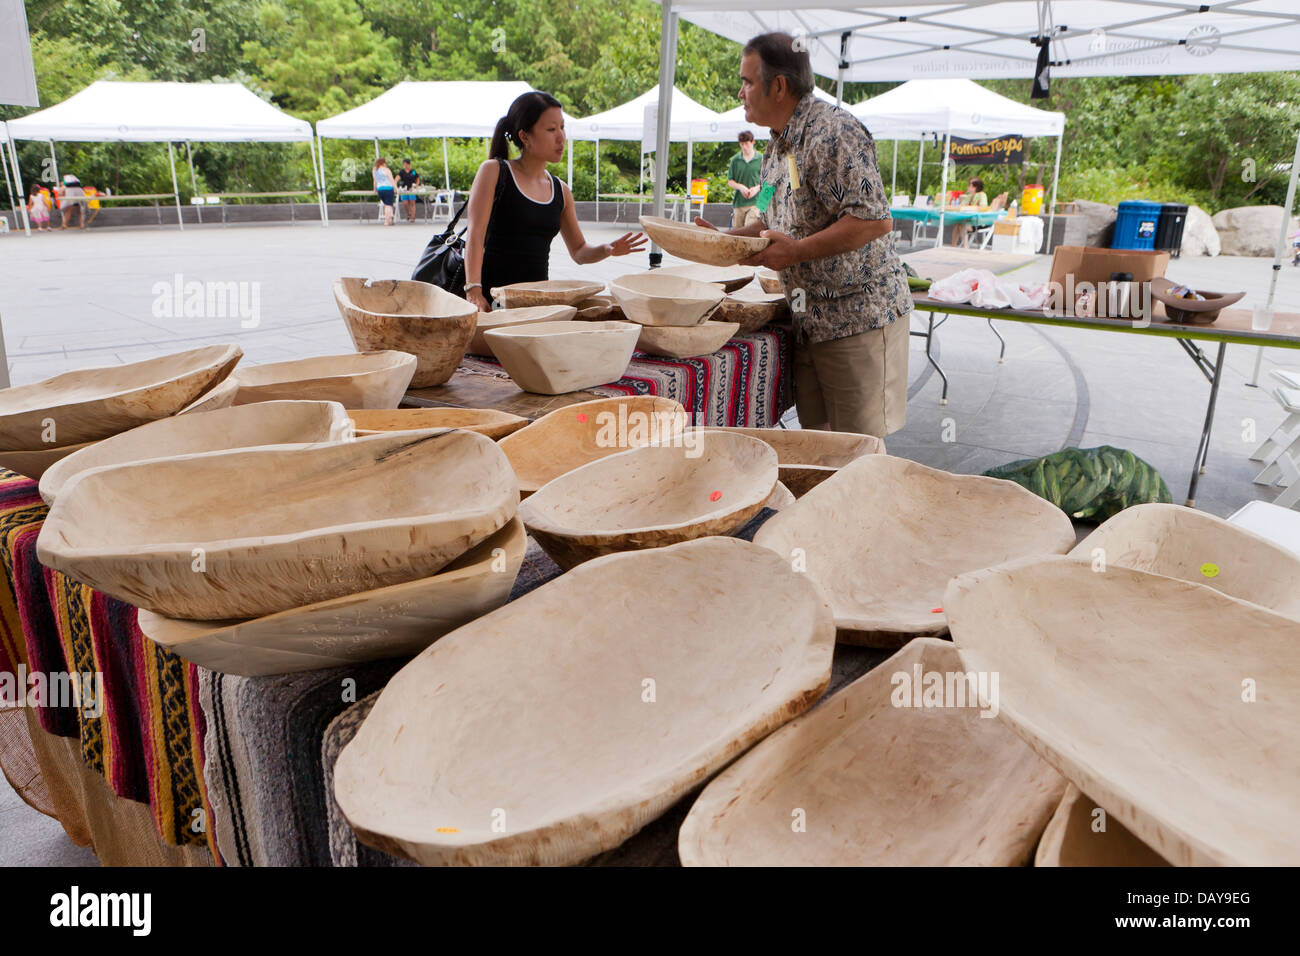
column 705, row 224
column 627, row 243
column 476, row 298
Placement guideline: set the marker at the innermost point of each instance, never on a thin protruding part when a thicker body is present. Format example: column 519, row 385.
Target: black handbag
column 443, row 261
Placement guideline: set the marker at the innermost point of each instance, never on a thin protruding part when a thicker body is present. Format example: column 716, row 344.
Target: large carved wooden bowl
column 356, row 380
column 551, row 358
column 652, row 298
column 729, row 278
column 505, row 318
column 677, row 342
column 485, row 421
column 699, row 244
column 808, row 456
column 525, row 295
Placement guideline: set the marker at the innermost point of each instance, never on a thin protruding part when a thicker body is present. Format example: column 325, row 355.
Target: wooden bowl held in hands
column 699, row 244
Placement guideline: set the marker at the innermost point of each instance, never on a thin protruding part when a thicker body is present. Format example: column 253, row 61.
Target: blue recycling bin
column 1135, row 225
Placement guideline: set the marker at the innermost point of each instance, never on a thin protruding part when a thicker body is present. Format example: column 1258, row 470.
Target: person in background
column 832, row 243
column 74, row 201
column 510, row 241
column 408, row 179
column 744, row 175
column 92, row 196
column 384, row 186
column 975, row 198
column 38, row 208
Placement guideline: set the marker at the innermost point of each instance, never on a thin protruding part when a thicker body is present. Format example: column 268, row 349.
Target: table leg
column 929, row 335
column 1203, row 450
column 1002, row 352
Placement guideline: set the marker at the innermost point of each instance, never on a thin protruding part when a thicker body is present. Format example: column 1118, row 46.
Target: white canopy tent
column 111, row 111
column 9, row 183
column 431, row 110
column 875, row 40
column 733, row 120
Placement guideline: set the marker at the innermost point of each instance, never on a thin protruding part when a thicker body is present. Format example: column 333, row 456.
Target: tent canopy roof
column 919, row 108
column 154, row 112
column 993, row 38
column 429, row 109
column 690, row 120
column 733, row 120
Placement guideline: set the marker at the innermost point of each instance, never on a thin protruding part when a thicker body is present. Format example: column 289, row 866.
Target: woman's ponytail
column 499, row 147
column 523, row 115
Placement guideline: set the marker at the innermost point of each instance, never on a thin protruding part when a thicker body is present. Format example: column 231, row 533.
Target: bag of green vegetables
column 1090, row 484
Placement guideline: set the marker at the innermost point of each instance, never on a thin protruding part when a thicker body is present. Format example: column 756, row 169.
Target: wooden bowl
column 1072, row 838
column 1194, row 546
column 524, row 295
column 394, row 621
column 656, row 299
column 779, row 498
column 34, row 464
column 449, row 769
column 551, row 358
column 485, row 421
column 221, row 395
column 882, row 780
column 506, row 318
column 1171, row 704
column 600, row 308
column 92, row 403
column 752, row 309
column 258, row 530
column 570, row 437
column 1191, row 311
column 697, row 485
column 915, row 528
column 808, row 456
column 677, row 342
column 729, row 278
column 414, row 317
column 698, row 244
column 769, row 280
column 356, row 380
column 266, row 423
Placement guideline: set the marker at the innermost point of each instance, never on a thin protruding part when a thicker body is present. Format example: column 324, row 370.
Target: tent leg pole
column 194, row 184
column 943, row 190
column 570, row 165
column 9, row 183
column 54, row 165
column 920, row 155
column 690, row 163
column 376, row 147
column 176, row 189
column 893, row 180
column 597, row 180
column 1051, row 210
column 324, row 179
column 1281, row 243
column 320, row 184
column 18, row 178
column 667, row 77
column 446, row 166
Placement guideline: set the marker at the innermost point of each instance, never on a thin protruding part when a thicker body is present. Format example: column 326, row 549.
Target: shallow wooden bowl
column 752, row 309
column 356, row 380
column 570, row 437
column 92, row 403
column 259, row 530
column 551, row 358
column 696, row 485
column 1184, row 543
column 1172, row 704
column 698, row 244
column 505, row 318
column 524, row 295
column 485, row 421
column 266, row 423
column 394, row 621
column 677, row 342
column 1082, row 834
column 34, row 464
column 808, row 456
column 222, row 395
column 883, row 536
column 769, row 280
column 600, row 308
column 729, row 278
column 640, row 684
column 882, row 780
column 655, row 299
column 414, row 317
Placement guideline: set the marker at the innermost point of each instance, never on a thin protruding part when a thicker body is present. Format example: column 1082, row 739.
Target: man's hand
column 782, row 253
column 751, row 192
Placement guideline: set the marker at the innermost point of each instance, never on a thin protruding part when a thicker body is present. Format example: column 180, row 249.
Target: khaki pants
column 742, row 216
column 854, row 384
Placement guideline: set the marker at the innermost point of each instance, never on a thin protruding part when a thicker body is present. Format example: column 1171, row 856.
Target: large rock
column 1249, row 230
column 1098, row 222
column 1199, row 235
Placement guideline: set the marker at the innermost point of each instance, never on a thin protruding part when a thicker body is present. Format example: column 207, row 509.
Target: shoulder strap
column 496, row 197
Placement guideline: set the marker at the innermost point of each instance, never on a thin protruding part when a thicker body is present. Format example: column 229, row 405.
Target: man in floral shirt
column 832, row 244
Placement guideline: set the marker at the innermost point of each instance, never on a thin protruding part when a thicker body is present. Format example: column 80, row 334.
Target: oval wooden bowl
column 34, row 464
column 356, row 380
column 266, row 423
column 259, row 530
column 221, row 395
column 652, row 496
column 507, row 318
column 753, row 310
column 1194, row 546
column 92, row 403
column 676, row 342
column 570, row 437
column 808, row 456
column 524, row 295
column 1134, row 686
column 551, row 358
column 394, row 621
column 662, row 300
column 914, row 528
column 880, row 784
column 414, row 317
column 769, row 280
column 1072, row 837
column 729, row 278
column 698, row 244
column 449, row 769
column 600, row 308
column 1191, row 311
column 779, row 498
column 485, row 421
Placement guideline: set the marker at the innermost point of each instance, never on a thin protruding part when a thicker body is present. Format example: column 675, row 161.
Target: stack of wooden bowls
column 674, row 313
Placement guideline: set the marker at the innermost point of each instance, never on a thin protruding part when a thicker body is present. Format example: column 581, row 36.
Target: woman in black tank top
column 516, row 207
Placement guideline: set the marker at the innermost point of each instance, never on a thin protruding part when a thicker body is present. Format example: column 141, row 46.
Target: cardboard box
column 1089, row 266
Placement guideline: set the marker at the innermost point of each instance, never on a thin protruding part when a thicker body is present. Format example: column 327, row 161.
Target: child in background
column 38, row 208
